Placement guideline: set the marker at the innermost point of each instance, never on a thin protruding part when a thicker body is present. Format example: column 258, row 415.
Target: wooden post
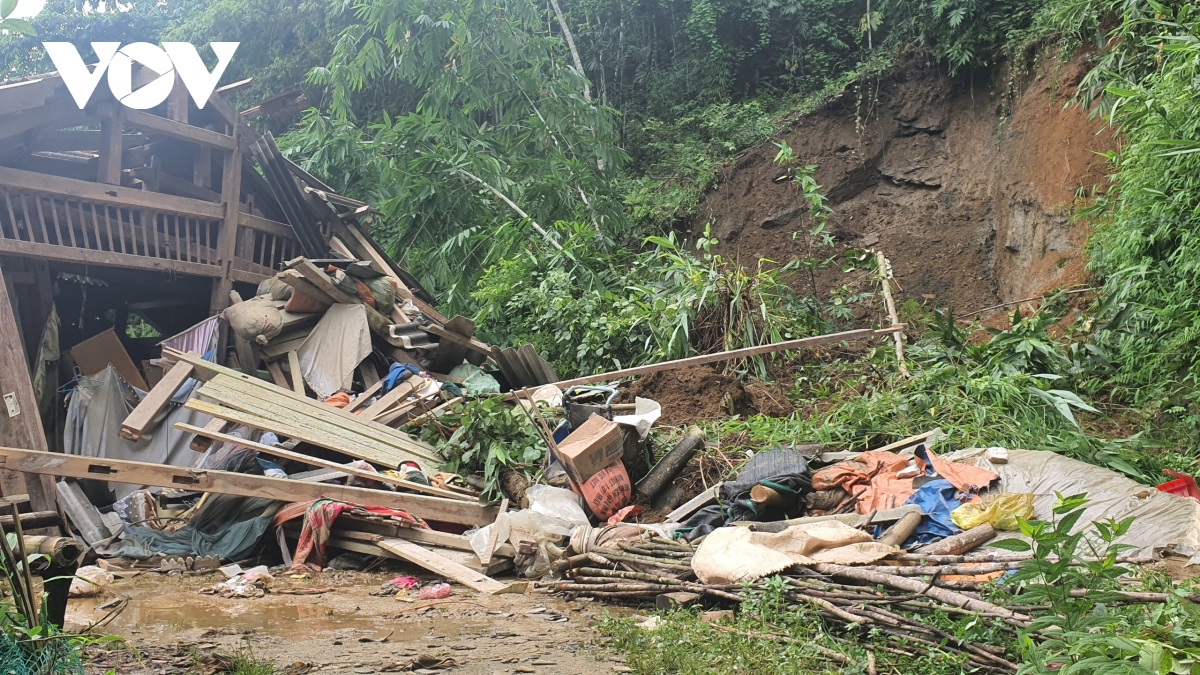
column 231, row 190
column 891, row 310
column 109, row 169
column 20, row 423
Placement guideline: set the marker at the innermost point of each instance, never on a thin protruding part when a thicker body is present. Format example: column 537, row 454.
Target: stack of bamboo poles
column 884, row 605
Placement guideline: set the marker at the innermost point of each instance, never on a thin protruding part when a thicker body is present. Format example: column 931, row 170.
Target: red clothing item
column 319, row 515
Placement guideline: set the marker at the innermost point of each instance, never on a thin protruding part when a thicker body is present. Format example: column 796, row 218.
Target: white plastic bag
column 552, row 515
column 556, row 503
column 90, row 581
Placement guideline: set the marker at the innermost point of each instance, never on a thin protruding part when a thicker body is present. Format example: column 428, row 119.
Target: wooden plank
column 180, row 130
column 440, row 409
column 366, row 371
column 82, row 514
column 365, row 396
column 24, row 425
column 322, row 281
column 241, row 484
column 354, row 429
column 493, row 536
column 402, row 391
column 107, row 258
column 693, row 505
column 309, row 431
column 253, row 387
column 421, row 536
column 231, row 190
column 235, row 87
column 468, row 342
column 109, row 167
column 158, row 398
column 111, row 195
column 293, row 358
column 845, row 336
column 277, row 375
column 322, row 463
column 298, row 282
column 64, row 140
column 441, row 565
column 265, row 225
column 367, row 546
column 203, row 443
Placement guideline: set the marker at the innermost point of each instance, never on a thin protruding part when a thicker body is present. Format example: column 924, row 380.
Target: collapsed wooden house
column 112, row 217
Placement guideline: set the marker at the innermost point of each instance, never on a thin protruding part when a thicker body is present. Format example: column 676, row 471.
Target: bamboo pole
column 893, row 316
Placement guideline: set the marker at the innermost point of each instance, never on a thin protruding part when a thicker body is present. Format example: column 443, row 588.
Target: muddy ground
column 169, row 626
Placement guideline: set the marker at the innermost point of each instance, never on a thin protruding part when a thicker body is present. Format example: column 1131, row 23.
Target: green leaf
column 19, row 26
column 7, row 7
column 1012, row 544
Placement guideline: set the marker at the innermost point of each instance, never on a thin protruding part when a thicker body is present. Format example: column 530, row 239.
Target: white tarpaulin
column 1161, row 520
column 95, row 410
column 339, row 342
column 730, row 555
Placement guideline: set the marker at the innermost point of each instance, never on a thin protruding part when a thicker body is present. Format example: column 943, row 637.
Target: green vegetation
column 540, row 165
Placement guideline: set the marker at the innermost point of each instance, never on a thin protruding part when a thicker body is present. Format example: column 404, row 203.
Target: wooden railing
column 79, row 221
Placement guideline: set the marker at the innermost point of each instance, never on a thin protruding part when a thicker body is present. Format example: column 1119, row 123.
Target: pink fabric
column 319, row 515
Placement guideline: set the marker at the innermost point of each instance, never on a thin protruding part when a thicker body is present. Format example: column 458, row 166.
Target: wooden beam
column 442, row 566
column 135, row 424
column 293, row 358
column 322, row 463
column 845, row 336
column 19, row 418
column 203, row 443
column 111, row 195
column 235, row 87
column 231, row 208
column 365, row 396
column 166, row 183
column 108, row 258
column 367, row 544
column 66, row 140
column 451, row 336
column 277, row 375
column 109, row 168
column 265, row 225
column 241, row 484
column 180, row 130
column 458, row 542
column 401, row 392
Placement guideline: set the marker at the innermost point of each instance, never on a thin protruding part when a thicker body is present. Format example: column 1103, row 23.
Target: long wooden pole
column 241, row 484
column 891, row 310
column 844, row 336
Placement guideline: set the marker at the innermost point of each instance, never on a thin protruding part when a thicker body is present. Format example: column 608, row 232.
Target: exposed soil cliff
column 966, row 188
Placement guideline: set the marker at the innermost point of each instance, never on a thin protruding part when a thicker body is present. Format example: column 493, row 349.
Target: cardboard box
column 95, row 353
column 596, row 444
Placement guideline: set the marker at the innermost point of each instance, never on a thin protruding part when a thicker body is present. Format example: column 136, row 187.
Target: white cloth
column 339, row 342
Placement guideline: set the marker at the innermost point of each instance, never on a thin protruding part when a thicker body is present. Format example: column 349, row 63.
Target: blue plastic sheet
column 936, row 499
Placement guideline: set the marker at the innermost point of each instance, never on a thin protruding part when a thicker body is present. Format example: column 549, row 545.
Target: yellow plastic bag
column 1002, row 510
